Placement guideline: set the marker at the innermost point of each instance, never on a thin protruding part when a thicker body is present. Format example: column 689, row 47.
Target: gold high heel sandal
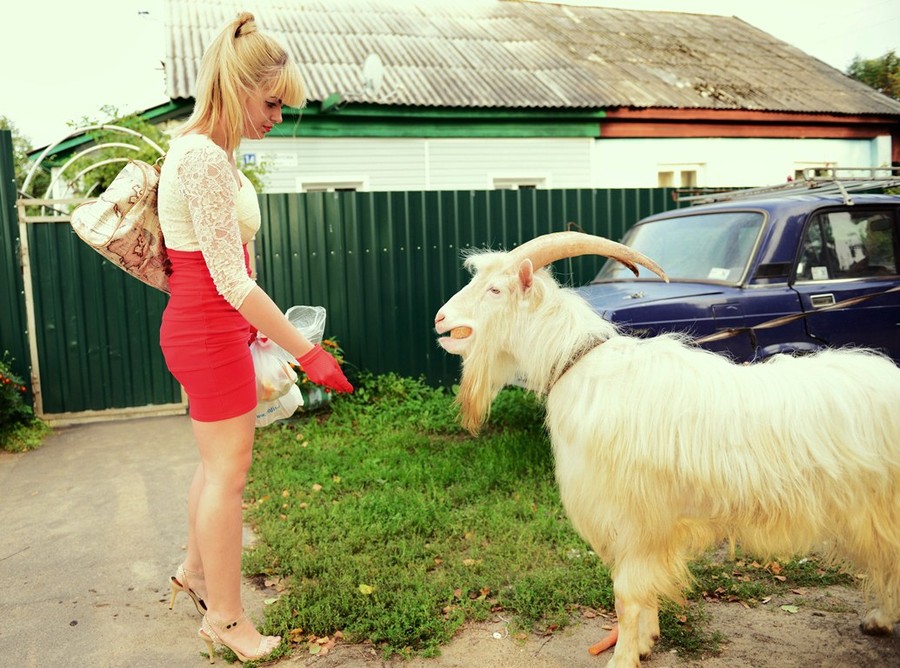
column 179, row 582
column 211, row 638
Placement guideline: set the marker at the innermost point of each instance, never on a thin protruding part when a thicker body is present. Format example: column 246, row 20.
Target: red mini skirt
column 205, row 342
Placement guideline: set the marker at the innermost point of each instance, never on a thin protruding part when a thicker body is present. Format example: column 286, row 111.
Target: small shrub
column 380, row 401
column 13, row 408
column 19, row 429
column 515, row 409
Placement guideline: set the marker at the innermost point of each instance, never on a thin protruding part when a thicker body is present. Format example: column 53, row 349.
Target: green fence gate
column 92, row 330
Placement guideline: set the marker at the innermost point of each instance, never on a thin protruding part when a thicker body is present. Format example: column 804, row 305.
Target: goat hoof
column 646, row 649
column 875, row 629
column 876, row 624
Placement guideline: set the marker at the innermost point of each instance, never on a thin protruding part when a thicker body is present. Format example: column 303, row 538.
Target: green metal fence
column 382, row 263
column 13, row 336
column 97, row 329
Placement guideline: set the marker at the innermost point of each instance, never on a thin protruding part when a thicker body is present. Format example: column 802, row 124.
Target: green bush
column 19, row 429
column 13, row 409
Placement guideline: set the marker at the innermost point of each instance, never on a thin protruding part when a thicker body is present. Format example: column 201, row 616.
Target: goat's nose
column 438, row 317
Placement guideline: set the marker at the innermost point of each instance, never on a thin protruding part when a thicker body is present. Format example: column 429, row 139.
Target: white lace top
column 202, row 208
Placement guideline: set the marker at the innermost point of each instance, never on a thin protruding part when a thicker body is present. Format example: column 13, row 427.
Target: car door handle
column 818, row 301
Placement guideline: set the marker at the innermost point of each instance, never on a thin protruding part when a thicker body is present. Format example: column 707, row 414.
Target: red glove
column 323, row 369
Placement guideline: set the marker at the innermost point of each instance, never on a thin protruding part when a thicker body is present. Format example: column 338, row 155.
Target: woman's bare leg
column 193, row 563
column 192, row 560
column 226, row 449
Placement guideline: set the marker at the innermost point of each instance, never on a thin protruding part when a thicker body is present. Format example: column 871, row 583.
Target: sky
column 64, row 59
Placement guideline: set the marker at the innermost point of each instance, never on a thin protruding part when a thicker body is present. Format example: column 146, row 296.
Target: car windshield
column 704, row 247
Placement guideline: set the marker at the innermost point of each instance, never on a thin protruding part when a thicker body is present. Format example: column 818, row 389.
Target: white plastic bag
column 283, row 407
column 310, row 320
column 274, row 375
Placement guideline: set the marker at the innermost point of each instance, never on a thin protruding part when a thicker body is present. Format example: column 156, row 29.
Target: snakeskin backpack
column 123, row 225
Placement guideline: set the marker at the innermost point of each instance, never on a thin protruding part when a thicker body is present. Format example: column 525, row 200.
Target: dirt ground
column 822, row 633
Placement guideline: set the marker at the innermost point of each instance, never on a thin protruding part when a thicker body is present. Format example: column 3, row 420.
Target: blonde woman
column 208, row 212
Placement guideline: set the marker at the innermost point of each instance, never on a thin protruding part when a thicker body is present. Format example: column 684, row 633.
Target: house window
column 329, row 186
column 679, row 176
column 527, row 183
column 810, row 170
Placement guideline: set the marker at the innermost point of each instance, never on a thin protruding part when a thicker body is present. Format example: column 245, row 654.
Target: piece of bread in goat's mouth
column 460, row 332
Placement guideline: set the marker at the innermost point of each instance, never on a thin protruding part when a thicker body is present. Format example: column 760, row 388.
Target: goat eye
column 494, row 291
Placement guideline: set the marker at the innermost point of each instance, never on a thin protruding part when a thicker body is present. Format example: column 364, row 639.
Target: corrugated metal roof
column 492, row 53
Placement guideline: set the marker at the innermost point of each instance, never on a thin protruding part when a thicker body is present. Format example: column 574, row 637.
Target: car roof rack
column 815, row 181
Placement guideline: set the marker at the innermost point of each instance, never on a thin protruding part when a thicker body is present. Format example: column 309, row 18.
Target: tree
column 98, row 179
column 882, row 74
column 21, row 148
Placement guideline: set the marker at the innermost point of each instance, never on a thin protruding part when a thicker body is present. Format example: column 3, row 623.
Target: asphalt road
column 93, row 525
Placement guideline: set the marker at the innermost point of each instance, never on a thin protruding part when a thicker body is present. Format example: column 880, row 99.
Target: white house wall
column 729, row 162
column 474, row 164
column 380, row 164
column 391, row 164
column 420, row 164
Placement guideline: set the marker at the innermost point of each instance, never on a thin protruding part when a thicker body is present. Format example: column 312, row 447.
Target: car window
column 848, row 244
column 708, row 247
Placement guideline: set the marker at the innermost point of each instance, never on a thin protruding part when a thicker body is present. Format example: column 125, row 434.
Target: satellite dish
column 372, row 78
column 373, row 75
column 333, row 101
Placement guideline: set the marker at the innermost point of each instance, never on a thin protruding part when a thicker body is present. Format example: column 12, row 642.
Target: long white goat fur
column 663, row 449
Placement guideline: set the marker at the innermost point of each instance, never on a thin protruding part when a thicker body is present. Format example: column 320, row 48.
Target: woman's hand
column 323, row 369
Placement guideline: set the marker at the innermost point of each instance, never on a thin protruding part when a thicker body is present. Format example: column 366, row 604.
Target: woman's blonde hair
column 240, row 61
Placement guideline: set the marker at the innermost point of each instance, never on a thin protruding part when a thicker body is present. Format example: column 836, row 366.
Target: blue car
column 755, row 277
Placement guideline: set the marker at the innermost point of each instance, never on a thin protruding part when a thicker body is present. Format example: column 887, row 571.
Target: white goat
column 663, row 449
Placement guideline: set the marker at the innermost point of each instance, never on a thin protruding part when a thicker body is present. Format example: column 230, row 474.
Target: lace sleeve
column 208, row 188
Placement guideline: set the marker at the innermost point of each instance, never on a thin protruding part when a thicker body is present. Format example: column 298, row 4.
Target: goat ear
column 526, row 275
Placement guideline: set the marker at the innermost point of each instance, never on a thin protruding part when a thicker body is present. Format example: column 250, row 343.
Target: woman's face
column 262, row 111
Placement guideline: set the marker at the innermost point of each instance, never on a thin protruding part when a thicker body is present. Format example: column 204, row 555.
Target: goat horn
column 555, row 246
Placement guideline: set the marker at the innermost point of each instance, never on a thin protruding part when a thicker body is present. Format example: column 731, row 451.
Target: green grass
column 23, row 436
column 387, row 522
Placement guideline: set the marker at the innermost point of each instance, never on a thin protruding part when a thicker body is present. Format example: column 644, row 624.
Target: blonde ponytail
column 246, row 24
column 240, row 61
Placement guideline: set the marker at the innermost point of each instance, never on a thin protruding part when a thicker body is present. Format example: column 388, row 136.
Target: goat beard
column 482, row 379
